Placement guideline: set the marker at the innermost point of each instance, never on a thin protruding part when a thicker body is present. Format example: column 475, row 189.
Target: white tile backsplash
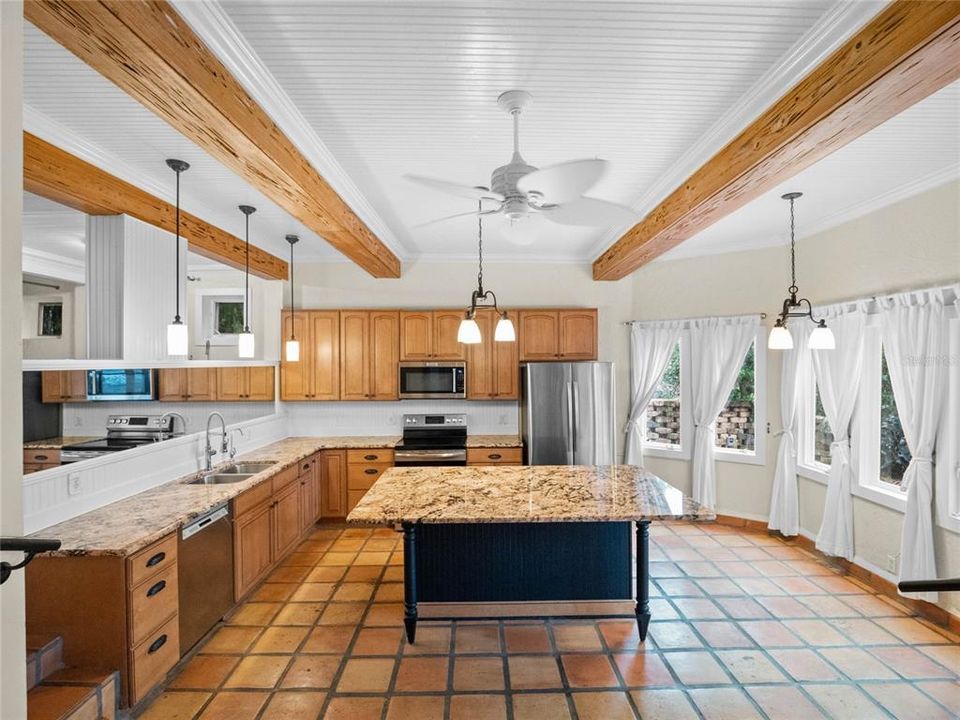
column 90, row 418
column 386, row 418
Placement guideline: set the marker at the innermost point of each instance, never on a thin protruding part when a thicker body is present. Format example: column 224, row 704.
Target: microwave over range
column 122, row 384
column 433, row 380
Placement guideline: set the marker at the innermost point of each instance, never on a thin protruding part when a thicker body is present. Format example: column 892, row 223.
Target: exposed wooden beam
column 147, row 49
column 908, row 51
column 57, row 175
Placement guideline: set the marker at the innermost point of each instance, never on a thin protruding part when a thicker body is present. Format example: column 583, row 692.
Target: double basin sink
column 237, row 472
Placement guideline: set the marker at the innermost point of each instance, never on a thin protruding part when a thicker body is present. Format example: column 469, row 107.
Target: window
column 51, row 319
column 822, row 433
column 894, row 453
column 736, row 423
column 229, row 318
column 663, row 412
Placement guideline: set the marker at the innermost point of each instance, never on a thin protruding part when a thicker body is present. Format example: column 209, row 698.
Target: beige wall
column 72, row 342
column 12, row 633
column 911, row 244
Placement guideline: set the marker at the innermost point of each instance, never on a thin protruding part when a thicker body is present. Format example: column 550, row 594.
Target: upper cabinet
column 59, row 386
column 245, row 383
column 192, row 384
column 430, row 335
column 493, row 368
column 369, row 353
column 316, row 375
column 558, row 334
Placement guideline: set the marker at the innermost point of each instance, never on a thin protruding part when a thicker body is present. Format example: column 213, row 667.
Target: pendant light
column 469, row 332
column 246, row 343
column 780, row 338
column 292, row 346
column 178, row 338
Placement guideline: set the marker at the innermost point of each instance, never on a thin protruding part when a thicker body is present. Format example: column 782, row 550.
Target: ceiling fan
column 521, row 193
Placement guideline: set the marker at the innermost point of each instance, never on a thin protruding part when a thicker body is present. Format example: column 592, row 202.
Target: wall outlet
column 502, row 419
column 893, row 563
column 77, row 421
column 74, row 484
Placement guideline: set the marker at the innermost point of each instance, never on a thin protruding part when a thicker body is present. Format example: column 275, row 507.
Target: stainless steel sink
column 248, row 468
column 221, row 478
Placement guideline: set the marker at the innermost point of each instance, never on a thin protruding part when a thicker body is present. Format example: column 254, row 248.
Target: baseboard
column 741, row 522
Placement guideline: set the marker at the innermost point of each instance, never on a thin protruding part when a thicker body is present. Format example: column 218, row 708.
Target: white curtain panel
column 838, row 378
column 784, row 501
column 717, row 349
column 651, row 345
column 913, row 327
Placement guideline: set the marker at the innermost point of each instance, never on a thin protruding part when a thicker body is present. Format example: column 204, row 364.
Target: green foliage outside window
column 743, row 391
column 894, row 453
column 229, row 318
column 669, row 387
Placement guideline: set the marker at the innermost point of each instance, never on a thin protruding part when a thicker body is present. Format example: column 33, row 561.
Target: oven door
column 121, row 384
column 420, row 380
column 428, row 458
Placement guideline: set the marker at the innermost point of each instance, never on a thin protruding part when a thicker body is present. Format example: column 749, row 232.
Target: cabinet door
column 201, row 384
column 52, row 386
column 231, row 383
column 333, row 501
column 259, row 383
column 76, row 385
column 286, row 519
column 446, row 323
column 480, row 360
column 384, row 355
column 308, row 488
column 172, row 384
column 506, row 365
column 416, row 336
column 578, row 334
column 252, row 547
column 296, row 377
column 354, row 356
column 539, row 335
column 325, row 338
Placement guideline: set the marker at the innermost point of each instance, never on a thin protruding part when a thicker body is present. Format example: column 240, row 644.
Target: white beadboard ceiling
column 379, row 89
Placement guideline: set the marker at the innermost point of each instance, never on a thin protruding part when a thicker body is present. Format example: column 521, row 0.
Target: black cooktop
column 109, row 444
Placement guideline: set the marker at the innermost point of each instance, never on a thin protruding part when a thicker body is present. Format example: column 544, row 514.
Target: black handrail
column 941, row 585
column 28, row 546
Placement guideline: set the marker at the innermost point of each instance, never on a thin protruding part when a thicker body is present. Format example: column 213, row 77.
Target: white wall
column 911, row 244
column 90, row 418
column 36, row 346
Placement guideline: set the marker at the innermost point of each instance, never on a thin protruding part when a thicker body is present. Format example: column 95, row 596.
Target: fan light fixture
column 292, row 346
column 246, row 343
column 469, row 332
column 780, row 338
column 178, row 338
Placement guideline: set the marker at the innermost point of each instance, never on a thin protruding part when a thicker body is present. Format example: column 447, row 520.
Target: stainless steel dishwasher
column 205, row 570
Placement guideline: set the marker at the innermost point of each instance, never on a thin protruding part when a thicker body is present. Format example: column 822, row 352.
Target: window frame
column 683, row 450
column 759, row 454
column 807, row 466
column 41, row 307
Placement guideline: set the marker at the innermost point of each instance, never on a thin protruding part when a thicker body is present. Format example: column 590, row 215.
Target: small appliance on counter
column 432, row 440
column 122, row 384
column 123, row 433
column 433, row 380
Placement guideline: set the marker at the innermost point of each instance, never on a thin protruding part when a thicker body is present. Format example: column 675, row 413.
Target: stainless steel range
column 432, row 440
column 123, row 432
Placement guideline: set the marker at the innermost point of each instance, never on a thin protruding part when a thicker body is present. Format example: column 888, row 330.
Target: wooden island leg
column 410, row 580
column 643, row 577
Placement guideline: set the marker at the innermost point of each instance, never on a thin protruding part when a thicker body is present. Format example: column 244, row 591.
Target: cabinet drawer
column 494, row 456
column 152, row 560
column 45, row 456
column 362, row 477
column 285, row 477
column 151, row 603
column 151, row 660
column 252, row 498
column 380, row 455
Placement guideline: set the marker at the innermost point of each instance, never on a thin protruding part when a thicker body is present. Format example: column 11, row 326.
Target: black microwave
column 122, row 384
column 432, row 380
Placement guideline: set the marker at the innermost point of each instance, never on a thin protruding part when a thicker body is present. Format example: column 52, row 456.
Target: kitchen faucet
column 174, row 414
column 210, row 452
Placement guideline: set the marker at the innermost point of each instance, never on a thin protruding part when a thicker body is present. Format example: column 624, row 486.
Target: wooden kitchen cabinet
column 333, row 486
column 558, row 334
column 187, row 384
column 59, row 386
column 245, row 383
column 316, row 375
column 495, row 456
column 493, row 368
column 309, row 492
column 252, row 546
column 430, row 335
column 36, row 459
column 369, row 354
column 286, row 518
column 364, row 467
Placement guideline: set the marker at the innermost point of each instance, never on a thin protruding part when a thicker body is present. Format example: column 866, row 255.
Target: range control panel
column 452, row 420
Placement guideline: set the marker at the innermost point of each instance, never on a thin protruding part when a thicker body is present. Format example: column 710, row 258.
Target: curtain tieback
column 784, row 432
column 921, row 459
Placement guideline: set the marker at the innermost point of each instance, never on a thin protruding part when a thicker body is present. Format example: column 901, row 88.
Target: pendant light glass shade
column 780, row 339
column 468, row 332
column 292, row 350
column 246, row 344
column 178, row 339
column 505, row 331
column 822, row 338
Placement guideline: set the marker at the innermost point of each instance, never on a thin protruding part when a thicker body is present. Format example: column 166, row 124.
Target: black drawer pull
column 371, row 471
column 370, row 457
column 40, row 457
column 156, row 587
column 157, row 644
column 307, row 466
column 494, row 456
column 156, row 559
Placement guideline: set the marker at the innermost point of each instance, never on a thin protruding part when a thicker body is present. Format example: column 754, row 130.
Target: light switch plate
column 74, row 484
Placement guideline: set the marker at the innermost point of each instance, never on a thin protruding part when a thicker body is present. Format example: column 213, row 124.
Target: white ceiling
column 49, row 227
column 370, row 91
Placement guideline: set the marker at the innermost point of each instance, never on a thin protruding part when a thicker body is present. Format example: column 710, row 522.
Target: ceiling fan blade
column 464, row 191
column 444, row 219
column 564, row 181
column 587, row 211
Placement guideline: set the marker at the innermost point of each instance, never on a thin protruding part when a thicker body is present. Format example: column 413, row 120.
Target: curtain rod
column 763, row 316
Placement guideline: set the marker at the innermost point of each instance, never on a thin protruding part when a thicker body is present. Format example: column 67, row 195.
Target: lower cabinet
column 333, row 484
column 364, row 466
column 252, row 547
column 494, row 456
column 36, row 459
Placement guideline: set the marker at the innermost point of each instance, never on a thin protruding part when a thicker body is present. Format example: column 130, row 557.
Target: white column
column 105, row 246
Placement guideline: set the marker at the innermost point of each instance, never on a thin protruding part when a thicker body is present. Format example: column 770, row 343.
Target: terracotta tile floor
column 745, row 626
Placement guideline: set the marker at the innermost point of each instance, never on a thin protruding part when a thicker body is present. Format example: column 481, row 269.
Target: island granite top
column 539, row 493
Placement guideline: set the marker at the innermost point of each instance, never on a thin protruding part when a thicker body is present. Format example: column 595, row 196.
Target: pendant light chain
column 793, row 251
column 293, row 301
column 480, row 247
column 246, row 282
column 176, row 250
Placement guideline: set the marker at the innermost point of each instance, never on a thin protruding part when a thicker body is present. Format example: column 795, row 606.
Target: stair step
column 44, row 657
column 75, row 694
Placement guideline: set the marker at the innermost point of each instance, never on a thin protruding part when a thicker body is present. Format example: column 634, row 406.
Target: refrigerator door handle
column 571, row 451
column 575, row 418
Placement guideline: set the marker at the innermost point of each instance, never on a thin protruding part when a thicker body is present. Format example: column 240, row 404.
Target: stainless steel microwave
column 122, row 384
column 433, row 380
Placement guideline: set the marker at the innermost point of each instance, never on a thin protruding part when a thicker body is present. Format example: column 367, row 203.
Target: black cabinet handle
column 156, row 587
column 370, row 457
column 157, row 644
column 39, row 457
column 494, row 456
column 371, row 471
column 156, row 559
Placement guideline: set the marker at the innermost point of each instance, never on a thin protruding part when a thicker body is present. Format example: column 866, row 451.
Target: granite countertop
column 55, row 443
column 541, row 493
column 494, row 441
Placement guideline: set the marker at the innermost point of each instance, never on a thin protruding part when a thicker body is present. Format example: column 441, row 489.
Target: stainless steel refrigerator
column 567, row 414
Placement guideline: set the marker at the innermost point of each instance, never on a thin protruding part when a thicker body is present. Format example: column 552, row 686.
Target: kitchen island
column 520, row 534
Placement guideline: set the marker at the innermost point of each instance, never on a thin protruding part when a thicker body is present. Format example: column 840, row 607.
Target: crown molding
column 38, row 262
column 212, row 24
column 833, row 29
